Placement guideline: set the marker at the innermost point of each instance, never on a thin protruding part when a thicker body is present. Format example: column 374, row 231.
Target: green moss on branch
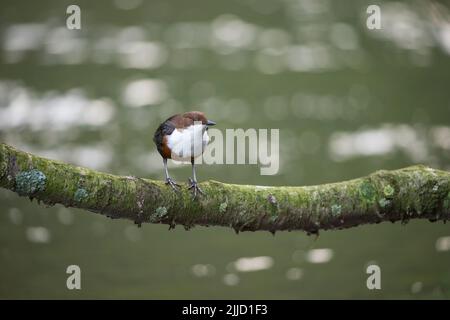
column 416, row 192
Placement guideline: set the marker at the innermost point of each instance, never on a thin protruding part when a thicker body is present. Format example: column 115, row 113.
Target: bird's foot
column 175, row 186
column 195, row 188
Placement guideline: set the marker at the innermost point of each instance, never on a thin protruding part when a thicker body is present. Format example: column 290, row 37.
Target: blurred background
column 347, row 100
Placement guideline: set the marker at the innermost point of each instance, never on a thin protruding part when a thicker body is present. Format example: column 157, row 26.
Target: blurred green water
column 347, row 101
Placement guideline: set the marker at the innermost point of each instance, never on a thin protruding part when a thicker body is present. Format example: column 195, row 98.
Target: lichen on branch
column 416, row 192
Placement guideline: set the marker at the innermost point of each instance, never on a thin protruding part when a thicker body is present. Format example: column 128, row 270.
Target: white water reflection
column 142, row 54
column 404, row 26
column 15, row 216
column 22, row 107
column 248, row 264
column 344, row 36
column 18, row 39
column 62, row 46
column 312, row 42
column 441, row 136
column 294, row 274
column 416, row 287
column 415, row 27
column 443, row 244
column 319, row 255
column 231, row 33
column 203, row 270
column 65, row 216
column 193, row 34
column 231, row 279
column 143, row 92
column 269, row 62
column 379, row 141
column 311, row 57
column 38, row 234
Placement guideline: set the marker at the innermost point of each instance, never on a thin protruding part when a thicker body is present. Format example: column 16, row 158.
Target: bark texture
column 416, row 192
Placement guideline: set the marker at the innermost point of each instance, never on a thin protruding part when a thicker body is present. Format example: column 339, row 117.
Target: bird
column 183, row 137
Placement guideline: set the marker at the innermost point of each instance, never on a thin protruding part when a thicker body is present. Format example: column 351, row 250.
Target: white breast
column 189, row 142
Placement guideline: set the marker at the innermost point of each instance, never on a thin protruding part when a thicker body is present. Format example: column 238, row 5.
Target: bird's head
column 197, row 116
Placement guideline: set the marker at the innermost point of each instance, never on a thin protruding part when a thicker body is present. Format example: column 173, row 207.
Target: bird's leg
column 193, row 182
column 169, row 180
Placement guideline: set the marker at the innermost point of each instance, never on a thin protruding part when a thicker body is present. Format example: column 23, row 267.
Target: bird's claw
column 175, row 186
column 195, row 188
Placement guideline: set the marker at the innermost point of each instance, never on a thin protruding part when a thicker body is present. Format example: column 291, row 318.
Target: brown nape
column 196, row 116
column 181, row 121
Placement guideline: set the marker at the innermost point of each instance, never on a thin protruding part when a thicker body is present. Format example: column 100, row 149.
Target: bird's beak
column 210, row 123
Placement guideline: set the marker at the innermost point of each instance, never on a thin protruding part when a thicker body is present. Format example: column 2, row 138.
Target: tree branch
column 416, row 192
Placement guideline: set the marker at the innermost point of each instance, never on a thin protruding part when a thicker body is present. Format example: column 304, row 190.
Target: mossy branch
column 416, row 192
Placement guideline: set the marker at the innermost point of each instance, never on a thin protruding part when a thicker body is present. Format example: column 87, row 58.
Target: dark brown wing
column 159, row 138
